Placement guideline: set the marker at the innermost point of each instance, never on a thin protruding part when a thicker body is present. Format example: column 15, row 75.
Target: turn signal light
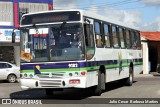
column 21, row 75
column 83, row 73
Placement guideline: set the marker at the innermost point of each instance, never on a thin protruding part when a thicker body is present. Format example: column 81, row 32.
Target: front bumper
column 52, row 83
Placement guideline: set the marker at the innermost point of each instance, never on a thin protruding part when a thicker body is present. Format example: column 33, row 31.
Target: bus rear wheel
column 101, row 84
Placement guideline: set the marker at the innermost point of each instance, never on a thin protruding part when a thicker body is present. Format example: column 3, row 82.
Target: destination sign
column 51, row 17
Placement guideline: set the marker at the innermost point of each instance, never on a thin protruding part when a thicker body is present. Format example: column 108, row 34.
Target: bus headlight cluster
column 70, row 74
column 76, row 73
column 73, row 74
column 25, row 75
column 31, row 76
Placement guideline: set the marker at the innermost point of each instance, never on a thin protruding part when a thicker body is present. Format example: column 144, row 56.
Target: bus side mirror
column 13, row 37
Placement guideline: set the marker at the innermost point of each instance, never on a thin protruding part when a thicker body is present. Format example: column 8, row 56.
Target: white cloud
column 130, row 18
column 152, row 26
column 69, row 4
column 63, row 4
column 151, row 2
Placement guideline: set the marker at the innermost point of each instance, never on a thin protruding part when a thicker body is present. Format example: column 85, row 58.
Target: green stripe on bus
column 81, row 69
column 52, row 70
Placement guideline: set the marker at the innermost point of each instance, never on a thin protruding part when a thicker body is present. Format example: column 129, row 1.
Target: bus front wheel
column 101, row 84
column 129, row 80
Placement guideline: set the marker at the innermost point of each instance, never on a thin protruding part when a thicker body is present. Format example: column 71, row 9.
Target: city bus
column 76, row 49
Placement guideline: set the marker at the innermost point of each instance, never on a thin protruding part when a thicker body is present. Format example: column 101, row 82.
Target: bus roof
column 90, row 15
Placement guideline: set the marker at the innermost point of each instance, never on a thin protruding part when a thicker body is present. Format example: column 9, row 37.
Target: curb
column 144, row 75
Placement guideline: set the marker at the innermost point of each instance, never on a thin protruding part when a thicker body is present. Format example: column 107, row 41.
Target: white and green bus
column 76, row 49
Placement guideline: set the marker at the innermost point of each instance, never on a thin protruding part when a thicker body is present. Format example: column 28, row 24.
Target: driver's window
column 89, row 39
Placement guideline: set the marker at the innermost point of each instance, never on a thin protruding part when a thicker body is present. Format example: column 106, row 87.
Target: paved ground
column 145, row 86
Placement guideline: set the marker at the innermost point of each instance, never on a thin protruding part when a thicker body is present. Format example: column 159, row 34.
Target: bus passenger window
column 115, row 37
column 99, row 41
column 106, row 35
column 134, row 43
column 138, row 40
column 121, row 34
column 128, row 44
column 135, row 40
column 89, row 39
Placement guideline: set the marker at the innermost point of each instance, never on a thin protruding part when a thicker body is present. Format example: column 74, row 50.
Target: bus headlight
column 70, row 74
column 76, row 73
column 25, row 75
column 31, row 76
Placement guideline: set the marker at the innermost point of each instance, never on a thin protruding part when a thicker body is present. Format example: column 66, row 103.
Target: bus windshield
column 57, row 42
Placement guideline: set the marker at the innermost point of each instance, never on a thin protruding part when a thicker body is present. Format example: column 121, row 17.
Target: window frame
column 130, row 46
column 132, row 39
column 139, row 46
column 116, row 32
column 92, row 34
column 109, row 34
column 100, row 34
column 123, row 35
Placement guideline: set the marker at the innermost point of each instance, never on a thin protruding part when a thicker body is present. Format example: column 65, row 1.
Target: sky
column 143, row 15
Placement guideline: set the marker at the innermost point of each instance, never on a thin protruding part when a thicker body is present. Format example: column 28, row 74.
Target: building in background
column 151, row 51
column 10, row 15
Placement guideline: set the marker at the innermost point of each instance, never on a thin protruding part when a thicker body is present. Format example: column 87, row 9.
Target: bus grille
column 50, row 83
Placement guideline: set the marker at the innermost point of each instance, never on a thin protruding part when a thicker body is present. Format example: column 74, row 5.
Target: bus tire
column 101, row 84
column 49, row 92
column 129, row 80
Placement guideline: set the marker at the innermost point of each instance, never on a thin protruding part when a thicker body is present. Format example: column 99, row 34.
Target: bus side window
column 106, row 35
column 89, row 41
column 99, row 41
column 89, row 38
column 135, row 40
column 133, row 37
column 128, row 44
column 121, row 34
column 138, row 40
column 115, row 37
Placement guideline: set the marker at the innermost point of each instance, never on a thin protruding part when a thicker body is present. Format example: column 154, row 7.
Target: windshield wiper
column 35, row 27
column 62, row 25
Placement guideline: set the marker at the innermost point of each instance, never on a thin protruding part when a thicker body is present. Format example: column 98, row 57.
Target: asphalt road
column 145, row 86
